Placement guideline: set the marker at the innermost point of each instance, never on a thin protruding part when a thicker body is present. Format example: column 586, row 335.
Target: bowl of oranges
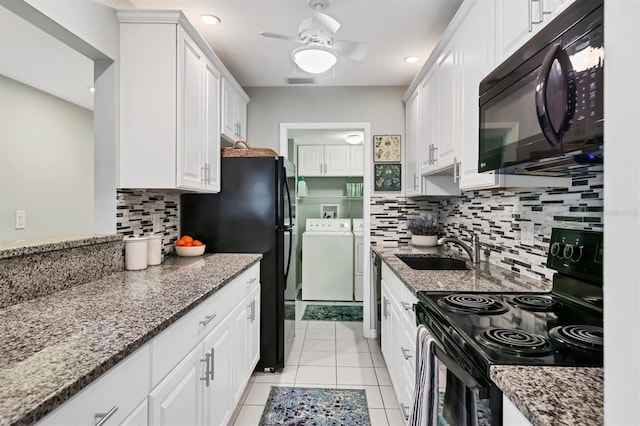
column 187, row 246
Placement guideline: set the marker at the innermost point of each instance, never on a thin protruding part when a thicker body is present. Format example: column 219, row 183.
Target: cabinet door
column 310, row 160
column 178, row 399
column 211, row 127
column 218, row 395
column 190, row 118
column 337, row 160
column 357, row 160
column 139, row 416
column 241, row 117
column 444, row 150
column 514, row 25
column 428, row 122
column 476, row 59
column 228, row 105
column 253, row 335
column 412, row 164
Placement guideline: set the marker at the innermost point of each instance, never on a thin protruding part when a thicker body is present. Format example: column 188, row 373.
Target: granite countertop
column 484, row 277
column 55, row 345
column 47, row 244
column 554, row 395
column 545, row 395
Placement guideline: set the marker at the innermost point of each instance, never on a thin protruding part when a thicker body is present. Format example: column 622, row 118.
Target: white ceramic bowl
column 190, row 251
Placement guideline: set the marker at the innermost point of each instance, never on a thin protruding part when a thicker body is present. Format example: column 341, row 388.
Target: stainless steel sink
column 433, row 263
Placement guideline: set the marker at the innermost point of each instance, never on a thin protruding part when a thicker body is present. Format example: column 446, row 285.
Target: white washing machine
column 358, row 259
column 327, row 260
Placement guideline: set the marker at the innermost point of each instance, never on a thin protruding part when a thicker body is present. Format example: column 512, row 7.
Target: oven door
column 466, row 397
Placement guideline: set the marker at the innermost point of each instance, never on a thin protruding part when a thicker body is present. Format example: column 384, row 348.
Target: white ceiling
column 393, row 29
column 33, row 57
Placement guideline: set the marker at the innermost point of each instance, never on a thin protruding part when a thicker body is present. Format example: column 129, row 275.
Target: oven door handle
column 455, row 368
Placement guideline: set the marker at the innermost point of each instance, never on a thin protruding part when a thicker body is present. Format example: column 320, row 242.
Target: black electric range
column 560, row 328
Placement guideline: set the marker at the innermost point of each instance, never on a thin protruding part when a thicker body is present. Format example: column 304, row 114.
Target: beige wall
column 46, row 163
column 270, row 106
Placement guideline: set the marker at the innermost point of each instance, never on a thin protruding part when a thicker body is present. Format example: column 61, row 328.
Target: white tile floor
column 326, row 354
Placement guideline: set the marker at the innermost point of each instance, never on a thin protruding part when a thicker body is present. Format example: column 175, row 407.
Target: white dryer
column 327, row 260
column 358, row 259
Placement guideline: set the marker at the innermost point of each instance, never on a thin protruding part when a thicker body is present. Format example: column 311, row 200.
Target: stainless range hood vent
column 299, row 80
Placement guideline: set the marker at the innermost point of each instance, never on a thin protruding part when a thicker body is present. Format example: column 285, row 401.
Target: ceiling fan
column 320, row 49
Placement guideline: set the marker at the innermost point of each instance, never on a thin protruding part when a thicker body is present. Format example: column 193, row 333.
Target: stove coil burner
column 581, row 336
column 473, row 304
column 536, row 303
column 515, row 342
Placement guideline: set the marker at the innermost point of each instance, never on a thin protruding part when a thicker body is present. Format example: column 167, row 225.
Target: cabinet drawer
column 121, row 388
column 170, row 346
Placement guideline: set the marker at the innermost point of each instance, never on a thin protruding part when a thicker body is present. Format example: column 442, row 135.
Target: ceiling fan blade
column 326, row 21
column 351, row 49
column 280, row 36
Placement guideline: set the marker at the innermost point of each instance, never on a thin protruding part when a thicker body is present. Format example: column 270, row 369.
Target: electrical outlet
column 526, row 233
column 21, row 219
column 156, row 222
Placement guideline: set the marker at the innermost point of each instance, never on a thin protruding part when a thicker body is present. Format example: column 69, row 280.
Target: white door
column 219, row 393
column 178, row 399
column 190, row 119
column 228, row 105
column 337, row 159
column 514, row 25
column 476, row 36
column 412, row 168
column 357, row 160
column 139, row 416
column 239, row 338
column 253, row 336
column 428, row 121
column 310, row 160
column 448, row 121
column 211, row 127
column 241, row 117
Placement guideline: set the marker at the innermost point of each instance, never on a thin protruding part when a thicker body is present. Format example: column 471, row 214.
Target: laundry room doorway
column 332, row 182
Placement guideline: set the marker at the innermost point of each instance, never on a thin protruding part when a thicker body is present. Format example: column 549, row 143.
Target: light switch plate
column 21, row 219
column 526, row 233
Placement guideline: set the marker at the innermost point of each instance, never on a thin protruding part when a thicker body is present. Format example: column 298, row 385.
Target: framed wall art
column 387, row 177
column 386, row 149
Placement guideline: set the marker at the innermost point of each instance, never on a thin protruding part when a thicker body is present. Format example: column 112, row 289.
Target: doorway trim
column 368, row 324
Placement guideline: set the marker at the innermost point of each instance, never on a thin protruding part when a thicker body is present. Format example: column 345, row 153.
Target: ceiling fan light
column 313, row 59
column 354, row 139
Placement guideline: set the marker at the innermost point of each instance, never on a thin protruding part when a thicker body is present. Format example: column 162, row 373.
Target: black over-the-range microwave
column 541, row 110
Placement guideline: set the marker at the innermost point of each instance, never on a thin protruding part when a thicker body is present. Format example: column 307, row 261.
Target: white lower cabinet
column 511, row 416
column 399, row 332
column 193, row 373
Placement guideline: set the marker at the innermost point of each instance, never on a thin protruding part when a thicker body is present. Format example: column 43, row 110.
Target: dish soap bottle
column 302, row 187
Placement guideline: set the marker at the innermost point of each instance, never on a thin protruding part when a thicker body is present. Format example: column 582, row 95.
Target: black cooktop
column 515, row 329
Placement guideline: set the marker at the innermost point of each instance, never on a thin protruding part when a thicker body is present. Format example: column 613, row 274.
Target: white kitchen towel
column 425, row 395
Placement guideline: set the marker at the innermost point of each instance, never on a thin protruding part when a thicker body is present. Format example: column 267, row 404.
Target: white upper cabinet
column 427, row 122
column 330, row 160
column 447, row 69
column 234, row 111
column 170, row 114
column 517, row 20
column 412, row 162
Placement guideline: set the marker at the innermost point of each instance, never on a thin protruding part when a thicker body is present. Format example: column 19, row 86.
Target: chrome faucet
column 473, row 251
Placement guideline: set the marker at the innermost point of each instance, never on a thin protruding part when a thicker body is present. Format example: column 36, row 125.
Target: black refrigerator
column 253, row 213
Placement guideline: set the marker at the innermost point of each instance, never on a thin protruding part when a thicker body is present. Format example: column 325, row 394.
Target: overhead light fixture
column 92, row 89
column 411, row 59
column 210, row 19
column 354, row 139
column 313, row 59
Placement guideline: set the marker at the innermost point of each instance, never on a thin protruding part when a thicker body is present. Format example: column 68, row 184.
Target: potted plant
column 424, row 231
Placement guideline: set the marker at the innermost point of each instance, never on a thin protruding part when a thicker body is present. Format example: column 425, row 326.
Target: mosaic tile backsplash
column 496, row 217
column 136, row 209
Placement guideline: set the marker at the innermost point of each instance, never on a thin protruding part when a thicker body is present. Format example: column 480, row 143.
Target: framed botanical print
column 387, row 177
column 386, row 149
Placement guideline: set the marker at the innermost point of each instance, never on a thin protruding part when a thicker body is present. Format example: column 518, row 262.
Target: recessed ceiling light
column 411, row 59
column 210, row 19
column 92, row 90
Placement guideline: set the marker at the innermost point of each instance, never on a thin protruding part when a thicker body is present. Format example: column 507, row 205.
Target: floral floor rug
column 332, row 313
column 315, row 407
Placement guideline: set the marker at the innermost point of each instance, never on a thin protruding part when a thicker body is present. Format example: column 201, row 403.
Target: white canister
column 135, row 253
column 154, row 249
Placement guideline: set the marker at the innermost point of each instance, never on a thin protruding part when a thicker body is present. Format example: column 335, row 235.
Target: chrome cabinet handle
column 207, row 372
column 101, row 418
column 435, row 149
column 385, row 310
column 207, row 319
column 530, row 15
column 404, row 409
column 455, row 173
column 407, row 306
column 211, row 357
column 253, row 310
column 415, row 181
column 320, row 168
column 204, row 174
column 209, row 173
column 405, row 353
column 239, row 129
column 325, row 168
